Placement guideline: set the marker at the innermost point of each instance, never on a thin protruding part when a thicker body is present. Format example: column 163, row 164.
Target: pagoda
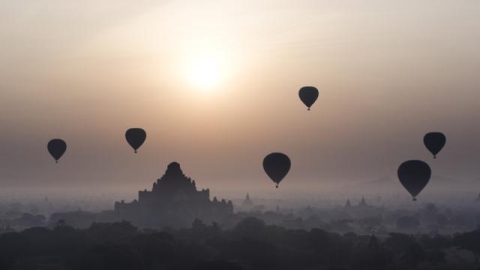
column 247, row 203
column 173, row 201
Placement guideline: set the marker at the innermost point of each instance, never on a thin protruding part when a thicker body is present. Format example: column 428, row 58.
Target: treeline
column 249, row 245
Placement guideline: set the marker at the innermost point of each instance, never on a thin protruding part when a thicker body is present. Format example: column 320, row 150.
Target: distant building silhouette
column 77, row 219
column 361, row 206
column 173, row 201
column 478, row 198
column 247, row 203
column 348, row 204
column 362, row 203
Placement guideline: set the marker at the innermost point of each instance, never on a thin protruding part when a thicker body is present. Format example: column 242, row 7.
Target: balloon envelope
column 434, row 141
column 135, row 137
column 308, row 95
column 57, row 148
column 414, row 176
column 276, row 165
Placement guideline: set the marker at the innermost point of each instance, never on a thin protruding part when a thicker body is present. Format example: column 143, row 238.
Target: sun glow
column 206, row 70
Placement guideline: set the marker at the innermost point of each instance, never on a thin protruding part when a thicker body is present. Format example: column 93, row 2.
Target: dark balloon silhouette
column 57, row 148
column 414, row 176
column 276, row 165
column 135, row 137
column 308, row 95
column 434, row 141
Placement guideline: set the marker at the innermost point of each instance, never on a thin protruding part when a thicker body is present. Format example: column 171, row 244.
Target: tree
column 118, row 232
column 469, row 241
column 198, row 225
column 12, row 246
column 407, row 249
column 258, row 254
column 218, row 265
column 250, row 227
column 408, row 223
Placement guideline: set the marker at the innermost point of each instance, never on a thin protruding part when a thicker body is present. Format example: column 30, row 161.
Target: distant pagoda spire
column 247, row 202
column 348, row 204
column 362, row 203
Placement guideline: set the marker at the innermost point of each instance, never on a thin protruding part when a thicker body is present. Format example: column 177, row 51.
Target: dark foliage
column 250, row 245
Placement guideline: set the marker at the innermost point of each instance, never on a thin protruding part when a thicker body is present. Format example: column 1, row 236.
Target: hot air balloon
column 308, row 95
column 56, row 148
column 414, row 176
column 135, row 137
column 434, row 141
column 276, row 165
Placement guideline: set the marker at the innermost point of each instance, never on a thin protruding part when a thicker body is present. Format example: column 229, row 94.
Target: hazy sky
column 215, row 85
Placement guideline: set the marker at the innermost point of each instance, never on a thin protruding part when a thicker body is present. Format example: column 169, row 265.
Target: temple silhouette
column 173, row 201
column 247, row 203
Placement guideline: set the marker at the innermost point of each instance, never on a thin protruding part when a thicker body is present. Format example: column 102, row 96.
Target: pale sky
column 215, row 85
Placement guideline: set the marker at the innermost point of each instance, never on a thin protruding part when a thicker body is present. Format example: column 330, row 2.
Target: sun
column 206, row 71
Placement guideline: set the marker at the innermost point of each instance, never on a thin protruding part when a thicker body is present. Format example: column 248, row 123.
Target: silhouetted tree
column 155, row 249
column 408, row 251
column 408, row 223
column 118, row 232
column 251, row 245
column 250, row 227
column 257, row 254
column 434, row 247
column 469, row 241
column 218, row 265
column 198, row 225
column 12, row 246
